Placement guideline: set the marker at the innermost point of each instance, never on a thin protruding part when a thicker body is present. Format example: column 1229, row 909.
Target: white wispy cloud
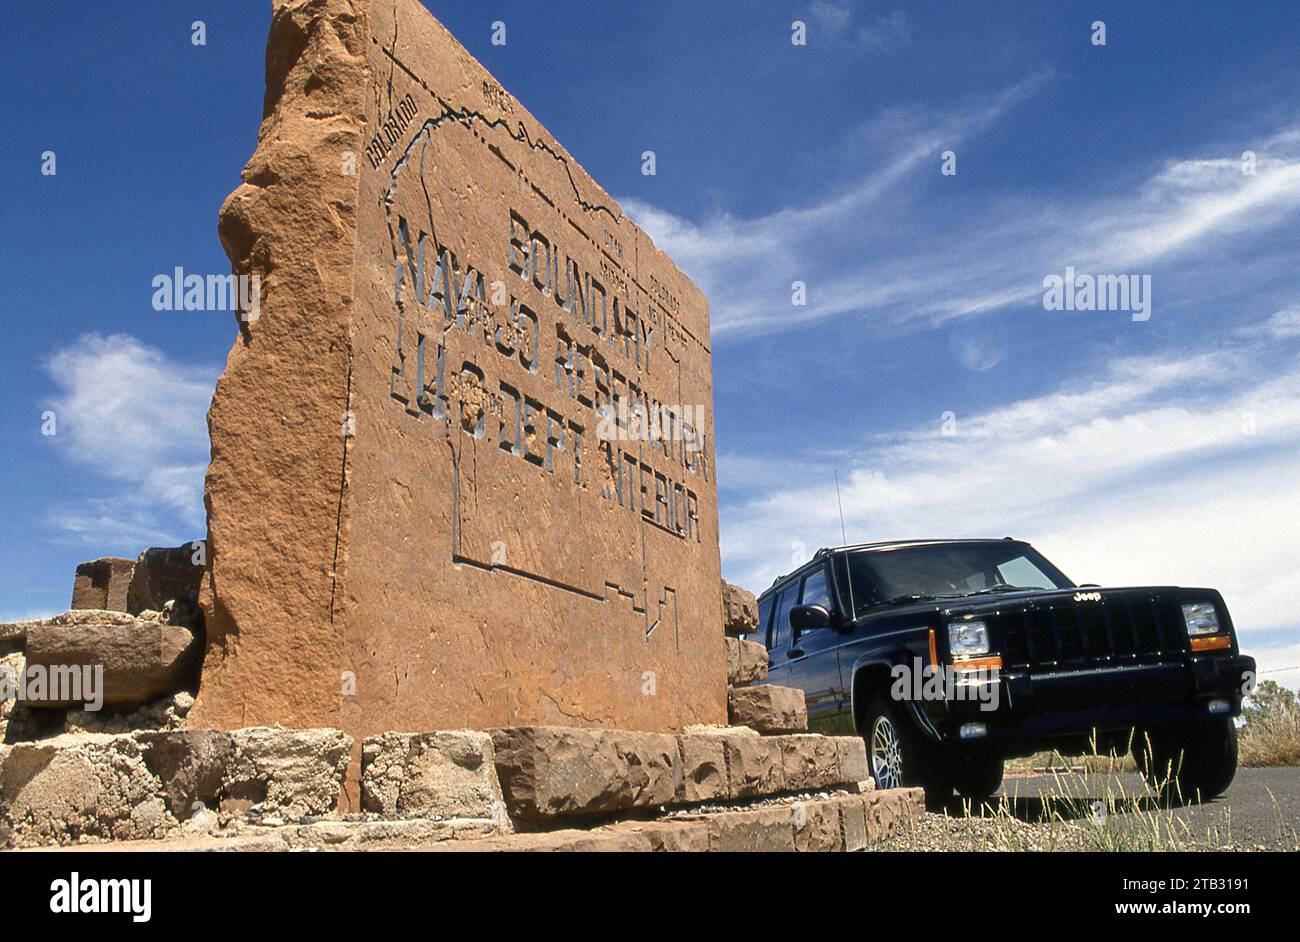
column 1283, row 325
column 135, row 419
column 874, row 249
column 838, row 22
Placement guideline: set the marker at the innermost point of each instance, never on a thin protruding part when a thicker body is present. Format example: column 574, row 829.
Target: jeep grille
column 1090, row 634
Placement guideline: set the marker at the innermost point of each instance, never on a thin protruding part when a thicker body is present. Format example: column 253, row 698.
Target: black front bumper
column 1062, row 709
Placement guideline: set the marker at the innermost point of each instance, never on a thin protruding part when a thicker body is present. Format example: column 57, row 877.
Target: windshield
column 944, row 571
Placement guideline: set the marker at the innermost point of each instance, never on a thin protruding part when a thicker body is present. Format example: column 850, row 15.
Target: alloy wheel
column 886, row 753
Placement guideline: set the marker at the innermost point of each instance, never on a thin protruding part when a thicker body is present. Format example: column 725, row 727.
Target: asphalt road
column 1260, row 810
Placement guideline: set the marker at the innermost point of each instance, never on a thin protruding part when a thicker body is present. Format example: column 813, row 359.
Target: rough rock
column 754, row 766
column 11, row 668
column 809, row 762
column 889, row 809
column 746, row 662
column 548, row 771
column 853, row 825
column 143, row 658
column 294, row 772
column 190, row 765
column 71, row 787
column 739, row 610
column 165, row 574
column 763, row 829
column 102, row 584
column 853, row 759
column 769, row 708
column 167, row 713
column 816, row 826
column 448, row 774
column 623, row 836
column 703, row 766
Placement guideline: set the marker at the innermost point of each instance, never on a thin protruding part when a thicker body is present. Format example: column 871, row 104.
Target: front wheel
column 1188, row 764
column 885, row 744
column 896, row 752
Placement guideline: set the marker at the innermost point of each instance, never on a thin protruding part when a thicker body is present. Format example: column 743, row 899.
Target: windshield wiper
column 994, row 589
column 899, row 599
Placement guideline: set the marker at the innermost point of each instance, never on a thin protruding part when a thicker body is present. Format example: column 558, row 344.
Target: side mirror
column 809, row 617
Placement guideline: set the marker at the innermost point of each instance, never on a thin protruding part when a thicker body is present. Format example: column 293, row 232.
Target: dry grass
column 1053, row 762
column 1271, row 739
column 1077, row 813
column 1111, row 818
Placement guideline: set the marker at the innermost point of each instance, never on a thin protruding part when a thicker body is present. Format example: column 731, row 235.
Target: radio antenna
column 844, row 535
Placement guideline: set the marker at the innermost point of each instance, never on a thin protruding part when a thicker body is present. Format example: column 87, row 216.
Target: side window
column 815, row 590
column 764, row 612
column 781, row 625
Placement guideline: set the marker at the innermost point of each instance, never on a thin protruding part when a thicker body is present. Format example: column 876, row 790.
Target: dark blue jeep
column 950, row 656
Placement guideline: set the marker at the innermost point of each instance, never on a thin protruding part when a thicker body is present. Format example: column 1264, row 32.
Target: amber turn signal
column 978, row 664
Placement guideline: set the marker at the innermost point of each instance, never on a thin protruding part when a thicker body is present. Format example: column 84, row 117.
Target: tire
column 978, row 779
column 897, row 755
column 1188, row 764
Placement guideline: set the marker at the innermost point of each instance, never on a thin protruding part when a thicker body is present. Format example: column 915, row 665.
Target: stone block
column 763, row 829
column 887, row 811
column 853, row 824
column 165, row 574
column 533, row 607
column 143, row 659
column 853, row 759
column 291, row 772
column 102, row 584
column 809, row 762
column 445, row 774
column 189, row 764
column 703, row 767
column 816, row 826
column 768, row 709
column 549, row 771
column 754, row 766
column 746, row 662
column 77, row 787
column 739, row 610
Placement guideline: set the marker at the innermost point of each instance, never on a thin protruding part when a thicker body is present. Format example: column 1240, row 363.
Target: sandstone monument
column 462, row 457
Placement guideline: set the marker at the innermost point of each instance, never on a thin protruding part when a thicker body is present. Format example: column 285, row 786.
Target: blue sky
column 1158, row 451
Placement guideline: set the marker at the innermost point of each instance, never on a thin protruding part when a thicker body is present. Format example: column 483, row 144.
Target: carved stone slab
column 463, row 462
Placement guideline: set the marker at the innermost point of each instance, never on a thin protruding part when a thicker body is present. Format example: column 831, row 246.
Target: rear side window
column 764, row 614
column 781, row 624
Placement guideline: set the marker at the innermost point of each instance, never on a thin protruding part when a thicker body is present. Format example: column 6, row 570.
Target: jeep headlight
column 968, row 637
column 1201, row 618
